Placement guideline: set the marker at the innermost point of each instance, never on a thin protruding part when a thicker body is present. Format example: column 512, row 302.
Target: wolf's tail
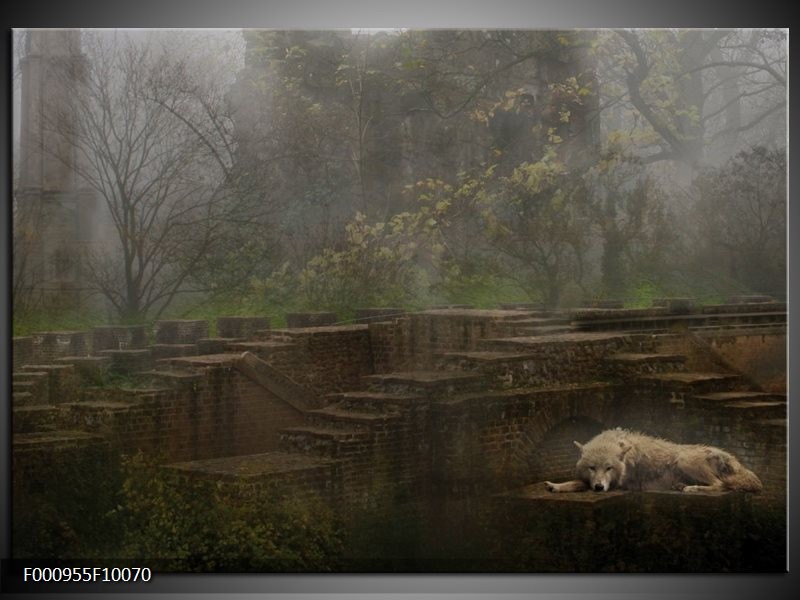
column 742, row 479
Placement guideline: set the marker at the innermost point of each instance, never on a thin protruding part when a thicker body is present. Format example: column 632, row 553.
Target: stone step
column 162, row 351
column 94, row 415
column 546, row 330
column 269, row 467
column 375, row 402
column 777, row 423
column 487, row 356
column 502, row 369
column 332, row 442
column 62, row 382
column 426, row 383
column 335, row 416
column 642, row 357
column 195, row 363
column 24, row 399
column 35, row 417
column 739, row 396
column 278, row 335
column 692, row 382
column 632, row 364
column 90, row 369
column 53, row 441
column 30, row 375
column 172, row 378
column 24, row 386
column 756, row 409
column 128, row 361
column 543, row 321
column 537, row 495
column 217, row 345
column 262, row 348
column 520, row 343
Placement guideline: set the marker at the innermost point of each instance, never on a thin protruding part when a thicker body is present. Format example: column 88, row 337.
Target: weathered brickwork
column 417, row 340
column 22, row 351
column 430, row 410
column 325, row 359
column 126, row 362
column 50, row 345
column 310, row 319
column 184, row 331
column 240, row 327
column 132, row 337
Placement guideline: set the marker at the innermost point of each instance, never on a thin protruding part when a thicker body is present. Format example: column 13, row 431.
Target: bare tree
column 28, row 219
column 165, row 183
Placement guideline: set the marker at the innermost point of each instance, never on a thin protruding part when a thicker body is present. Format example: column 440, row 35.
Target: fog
column 263, row 171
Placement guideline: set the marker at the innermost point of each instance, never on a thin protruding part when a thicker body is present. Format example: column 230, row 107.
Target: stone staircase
column 350, row 443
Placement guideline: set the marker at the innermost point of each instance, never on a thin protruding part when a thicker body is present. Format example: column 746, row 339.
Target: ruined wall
column 50, row 345
column 325, row 359
column 493, row 441
column 547, row 360
column 535, row 531
column 416, row 341
column 218, row 412
column 759, row 355
column 22, row 351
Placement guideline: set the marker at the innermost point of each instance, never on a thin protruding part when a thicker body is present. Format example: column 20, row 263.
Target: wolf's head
column 602, row 463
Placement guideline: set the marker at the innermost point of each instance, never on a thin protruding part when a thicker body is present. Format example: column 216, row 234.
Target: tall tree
column 160, row 180
column 676, row 94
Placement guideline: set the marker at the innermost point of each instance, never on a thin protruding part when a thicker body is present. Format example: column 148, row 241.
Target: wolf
column 629, row 460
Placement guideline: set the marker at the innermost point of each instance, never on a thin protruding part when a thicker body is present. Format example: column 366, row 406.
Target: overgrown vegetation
column 105, row 510
column 279, row 171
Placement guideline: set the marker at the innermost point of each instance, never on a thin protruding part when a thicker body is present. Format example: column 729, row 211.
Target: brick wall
column 325, row 359
column 415, row 341
column 22, row 351
column 120, row 337
column 50, row 345
column 240, row 327
column 180, row 331
column 761, row 357
column 219, row 413
column 493, row 441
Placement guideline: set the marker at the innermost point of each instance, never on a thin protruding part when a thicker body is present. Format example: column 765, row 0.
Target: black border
column 321, row 14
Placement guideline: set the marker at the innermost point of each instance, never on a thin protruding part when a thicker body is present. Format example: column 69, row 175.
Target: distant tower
column 54, row 212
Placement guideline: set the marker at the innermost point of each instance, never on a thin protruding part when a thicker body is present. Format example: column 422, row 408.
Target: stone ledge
column 425, row 378
column 250, row 466
column 53, row 440
column 475, row 313
column 537, row 492
column 321, row 330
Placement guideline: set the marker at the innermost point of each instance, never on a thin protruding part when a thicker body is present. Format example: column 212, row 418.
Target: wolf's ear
column 578, row 445
column 624, row 448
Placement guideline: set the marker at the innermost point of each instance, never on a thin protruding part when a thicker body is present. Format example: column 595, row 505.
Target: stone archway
column 554, row 456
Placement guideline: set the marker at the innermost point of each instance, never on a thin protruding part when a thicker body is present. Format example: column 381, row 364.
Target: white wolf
column 627, row 460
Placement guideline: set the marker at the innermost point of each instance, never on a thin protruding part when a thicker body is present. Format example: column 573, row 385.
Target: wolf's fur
column 627, row 460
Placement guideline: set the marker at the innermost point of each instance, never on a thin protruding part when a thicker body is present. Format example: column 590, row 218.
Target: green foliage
column 88, row 505
column 63, row 502
column 376, row 266
column 741, row 219
column 191, row 525
column 529, row 227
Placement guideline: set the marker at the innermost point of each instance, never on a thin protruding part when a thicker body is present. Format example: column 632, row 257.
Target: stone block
column 180, row 331
column 240, row 327
column 310, row 319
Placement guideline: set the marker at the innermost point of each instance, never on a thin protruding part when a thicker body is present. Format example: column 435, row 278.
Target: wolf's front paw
column 551, row 487
column 691, row 489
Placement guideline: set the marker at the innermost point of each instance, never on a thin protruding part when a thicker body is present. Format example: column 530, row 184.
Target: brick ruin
column 449, row 404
